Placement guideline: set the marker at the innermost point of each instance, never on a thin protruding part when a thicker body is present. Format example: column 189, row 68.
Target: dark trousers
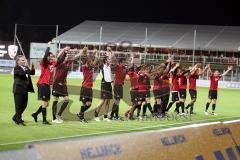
column 21, row 101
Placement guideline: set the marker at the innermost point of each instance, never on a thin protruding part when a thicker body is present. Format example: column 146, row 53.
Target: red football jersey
column 158, row 82
column 120, row 74
column 143, row 82
column 61, row 72
column 46, row 73
column 175, row 83
column 183, row 82
column 133, row 79
column 214, row 82
column 87, row 76
column 193, row 82
column 165, row 79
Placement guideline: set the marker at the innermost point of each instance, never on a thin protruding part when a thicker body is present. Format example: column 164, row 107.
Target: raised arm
column 229, row 69
column 185, row 72
column 155, row 72
column 209, row 70
column 204, row 69
column 46, row 53
column 131, row 64
column 64, row 50
column 61, row 55
column 114, row 59
column 168, row 66
column 32, row 68
column 194, row 69
column 96, row 57
column 175, row 67
column 76, row 56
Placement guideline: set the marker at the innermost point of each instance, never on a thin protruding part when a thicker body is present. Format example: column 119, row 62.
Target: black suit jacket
column 22, row 80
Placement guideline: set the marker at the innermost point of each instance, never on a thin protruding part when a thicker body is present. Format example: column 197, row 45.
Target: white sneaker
column 97, row 119
column 106, row 119
column 56, row 121
column 59, row 118
column 215, row 114
column 206, row 113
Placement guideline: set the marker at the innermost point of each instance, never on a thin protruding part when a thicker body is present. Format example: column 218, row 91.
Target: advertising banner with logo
column 37, row 50
column 8, row 52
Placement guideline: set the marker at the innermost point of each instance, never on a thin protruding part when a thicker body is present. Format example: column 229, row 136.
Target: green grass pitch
column 14, row 137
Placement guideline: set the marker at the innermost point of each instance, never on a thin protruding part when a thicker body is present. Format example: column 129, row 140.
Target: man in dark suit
column 21, row 86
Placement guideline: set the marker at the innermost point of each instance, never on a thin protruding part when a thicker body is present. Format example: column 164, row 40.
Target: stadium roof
column 219, row 38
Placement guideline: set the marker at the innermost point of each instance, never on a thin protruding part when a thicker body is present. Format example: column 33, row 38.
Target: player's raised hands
column 31, row 65
column 229, row 69
column 207, row 66
column 96, row 53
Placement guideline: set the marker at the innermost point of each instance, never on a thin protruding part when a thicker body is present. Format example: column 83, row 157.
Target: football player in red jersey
column 47, row 65
column 183, row 87
column 161, row 88
column 165, row 87
column 144, row 77
column 158, row 92
column 193, row 76
column 60, row 85
column 119, row 77
column 132, row 76
column 175, row 87
column 213, row 89
column 86, row 93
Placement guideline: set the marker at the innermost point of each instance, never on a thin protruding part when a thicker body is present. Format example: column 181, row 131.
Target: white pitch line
column 115, row 131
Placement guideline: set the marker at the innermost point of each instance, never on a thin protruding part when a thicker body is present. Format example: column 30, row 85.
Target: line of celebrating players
column 140, row 77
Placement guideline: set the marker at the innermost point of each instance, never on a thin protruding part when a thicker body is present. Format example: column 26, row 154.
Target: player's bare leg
column 98, row 109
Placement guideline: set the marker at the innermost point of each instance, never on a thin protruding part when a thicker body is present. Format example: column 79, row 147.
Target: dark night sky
column 71, row 12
